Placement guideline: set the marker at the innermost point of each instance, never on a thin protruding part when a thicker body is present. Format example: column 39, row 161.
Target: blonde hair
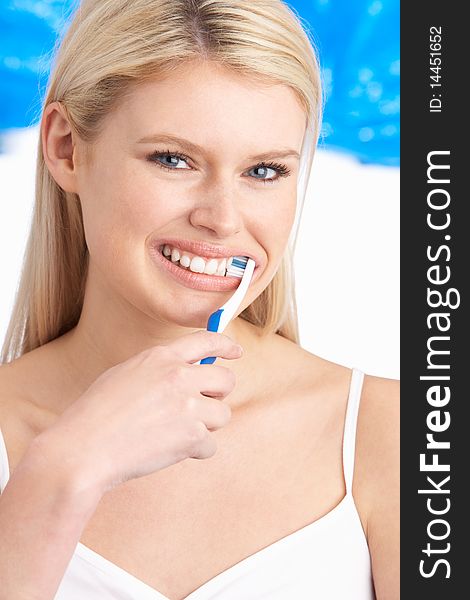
column 109, row 46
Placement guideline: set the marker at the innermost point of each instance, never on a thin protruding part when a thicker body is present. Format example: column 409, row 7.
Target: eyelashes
column 280, row 169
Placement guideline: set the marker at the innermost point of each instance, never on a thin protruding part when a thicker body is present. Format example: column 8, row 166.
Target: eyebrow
column 191, row 147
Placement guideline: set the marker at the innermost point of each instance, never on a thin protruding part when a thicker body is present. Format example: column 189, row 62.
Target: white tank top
column 325, row 560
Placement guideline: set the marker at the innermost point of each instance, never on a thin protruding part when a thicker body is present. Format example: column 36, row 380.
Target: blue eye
column 175, row 158
column 171, row 166
column 280, row 170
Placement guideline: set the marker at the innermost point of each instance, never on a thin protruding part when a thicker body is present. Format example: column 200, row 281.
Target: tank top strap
column 350, row 426
column 4, row 468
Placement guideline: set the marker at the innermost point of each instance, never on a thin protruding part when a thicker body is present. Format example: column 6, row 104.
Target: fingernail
column 239, row 348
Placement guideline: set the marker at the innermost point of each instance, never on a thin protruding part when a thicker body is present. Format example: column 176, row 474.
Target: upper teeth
column 197, row 264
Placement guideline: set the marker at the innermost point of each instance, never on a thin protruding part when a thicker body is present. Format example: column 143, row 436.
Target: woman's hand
column 149, row 412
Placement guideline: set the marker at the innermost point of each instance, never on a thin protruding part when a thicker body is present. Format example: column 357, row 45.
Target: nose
column 217, row 213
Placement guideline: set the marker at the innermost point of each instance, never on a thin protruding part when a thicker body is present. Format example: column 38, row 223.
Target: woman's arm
column 376, row 480
column 43, row 511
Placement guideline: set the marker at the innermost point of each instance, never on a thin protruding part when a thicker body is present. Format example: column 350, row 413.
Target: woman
column 170, row 130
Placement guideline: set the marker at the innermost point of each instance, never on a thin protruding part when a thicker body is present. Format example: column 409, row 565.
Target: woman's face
column 178, row 168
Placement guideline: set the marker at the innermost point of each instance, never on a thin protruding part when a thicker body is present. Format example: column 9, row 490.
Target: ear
column 58, row 146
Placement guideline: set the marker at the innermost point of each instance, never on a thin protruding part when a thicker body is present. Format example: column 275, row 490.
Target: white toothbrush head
column 237, row 267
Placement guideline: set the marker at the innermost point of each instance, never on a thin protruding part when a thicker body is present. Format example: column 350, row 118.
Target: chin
column 191, row 321
column 189, row 313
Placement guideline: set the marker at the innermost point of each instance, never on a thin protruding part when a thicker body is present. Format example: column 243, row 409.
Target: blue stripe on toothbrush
column 236, row 262
column 212, row 325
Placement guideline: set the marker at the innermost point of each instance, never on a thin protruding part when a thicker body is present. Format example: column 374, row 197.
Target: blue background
column 358, row 43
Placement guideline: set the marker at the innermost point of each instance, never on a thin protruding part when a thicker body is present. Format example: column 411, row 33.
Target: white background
column 347, row 258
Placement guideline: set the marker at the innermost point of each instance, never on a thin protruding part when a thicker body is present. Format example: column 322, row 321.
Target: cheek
column 274, row 222
column 273, row 230
column 120, row 209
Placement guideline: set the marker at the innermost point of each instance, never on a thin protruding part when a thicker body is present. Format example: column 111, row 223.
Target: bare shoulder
column 320, row 386
column 377, row 441
column 13, row 405
column 303, row 366
column 376, row 487
column 20, row 419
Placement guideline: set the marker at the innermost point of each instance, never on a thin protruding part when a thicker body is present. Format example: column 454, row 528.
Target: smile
column 196, row 264
column 200, row 265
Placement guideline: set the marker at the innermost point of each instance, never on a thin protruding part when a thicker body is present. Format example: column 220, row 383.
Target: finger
column 194, row 346
column 213, row 413
column 213, row 380
column 206, row 449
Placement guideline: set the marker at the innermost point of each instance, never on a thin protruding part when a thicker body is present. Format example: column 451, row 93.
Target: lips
column 195, row 280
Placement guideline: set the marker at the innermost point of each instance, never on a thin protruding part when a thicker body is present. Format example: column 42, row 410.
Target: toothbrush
column 242, row 267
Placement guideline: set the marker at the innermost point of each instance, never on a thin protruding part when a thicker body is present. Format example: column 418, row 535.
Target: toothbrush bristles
column 237, row 266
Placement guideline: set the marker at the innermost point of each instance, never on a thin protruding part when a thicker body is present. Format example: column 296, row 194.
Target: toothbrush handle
column 207, row 361
column 212, row 325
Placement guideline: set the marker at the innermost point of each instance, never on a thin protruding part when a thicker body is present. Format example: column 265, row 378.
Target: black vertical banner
column 435, row 257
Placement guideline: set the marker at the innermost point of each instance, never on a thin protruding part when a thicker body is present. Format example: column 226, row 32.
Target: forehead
column 213, row 106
